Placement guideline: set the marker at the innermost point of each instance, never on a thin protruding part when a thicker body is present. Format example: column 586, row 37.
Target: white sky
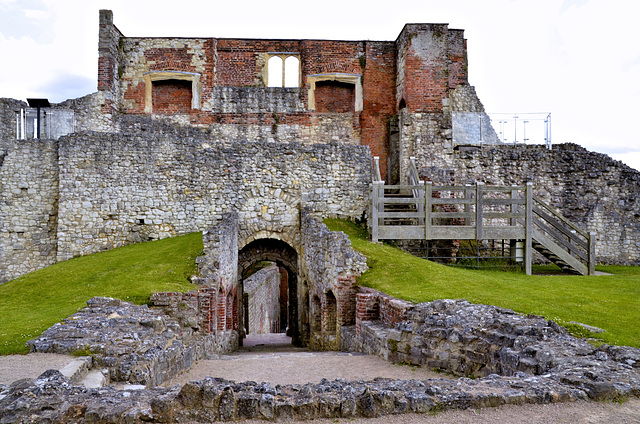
column 577, row 59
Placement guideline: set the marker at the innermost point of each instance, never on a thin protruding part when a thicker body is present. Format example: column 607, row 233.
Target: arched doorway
column 285, row 258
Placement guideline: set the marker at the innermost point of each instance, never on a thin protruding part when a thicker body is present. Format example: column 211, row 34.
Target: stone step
column 77, row 369
column 94, row 379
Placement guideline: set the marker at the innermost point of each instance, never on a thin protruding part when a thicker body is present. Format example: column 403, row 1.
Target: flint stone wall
column 8, row 109
column 544, row 364
column 592, row 190
column 263, row 289
column 330, row 265
column 479, row 340
column 28, row 206
column 123, row 188
column 52, row 398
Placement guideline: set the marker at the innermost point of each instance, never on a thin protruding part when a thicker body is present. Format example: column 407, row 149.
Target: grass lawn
column 32, row 303
column 610, row 302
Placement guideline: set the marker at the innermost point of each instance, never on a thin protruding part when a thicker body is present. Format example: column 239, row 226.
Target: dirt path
column 17, row 367
column 301, row 367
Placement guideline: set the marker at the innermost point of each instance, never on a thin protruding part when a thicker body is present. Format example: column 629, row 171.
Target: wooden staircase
column 422, row 211
column 553, row 257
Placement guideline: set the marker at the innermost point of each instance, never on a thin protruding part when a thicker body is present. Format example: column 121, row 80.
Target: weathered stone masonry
column 118, row 189
column 28, row 206
column 539, row 363
column 95, row 191
column 239, row 140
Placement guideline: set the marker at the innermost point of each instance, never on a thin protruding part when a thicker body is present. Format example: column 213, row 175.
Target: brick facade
column 419, row 69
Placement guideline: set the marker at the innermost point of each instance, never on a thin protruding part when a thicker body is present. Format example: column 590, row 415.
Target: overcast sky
column 576, row 59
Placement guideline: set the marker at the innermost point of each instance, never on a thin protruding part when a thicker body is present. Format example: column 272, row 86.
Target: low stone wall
column 479, row 340
column 134, row 344
column 544, row 365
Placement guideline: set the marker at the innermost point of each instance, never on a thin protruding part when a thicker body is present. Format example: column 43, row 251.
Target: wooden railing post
column 467, row 205
column 376, row 189
column 479, row 210
column 376, row 169
column 428, row 192
column 591, row 254
column 528, row 230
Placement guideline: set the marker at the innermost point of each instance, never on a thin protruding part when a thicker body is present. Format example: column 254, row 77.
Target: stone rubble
column 136, row 344
column 541, row 363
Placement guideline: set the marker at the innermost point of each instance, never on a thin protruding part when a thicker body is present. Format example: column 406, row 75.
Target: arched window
column 291, row 72
column 283, row 70
column 275, row 69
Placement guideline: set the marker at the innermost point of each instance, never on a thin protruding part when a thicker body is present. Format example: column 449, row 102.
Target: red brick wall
column 425, row 85
column 236, row 65
column 379, row 89
column 169, row 59
column 374, row 305
column 171, row 96
column 239, row 62
column 334, row 96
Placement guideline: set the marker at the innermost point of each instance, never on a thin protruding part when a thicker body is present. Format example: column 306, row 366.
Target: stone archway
column 286, row 258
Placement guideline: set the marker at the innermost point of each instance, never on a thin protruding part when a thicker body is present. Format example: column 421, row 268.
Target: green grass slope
column 610, row 302
column 32, row 303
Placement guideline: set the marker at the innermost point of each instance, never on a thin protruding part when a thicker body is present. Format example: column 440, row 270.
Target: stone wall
column 88, row 112
column 540, row 363
column 28, row 206
column 330, row 267
column 8, row 109
column 480, row 340
column 122, row 188
column 263, row 300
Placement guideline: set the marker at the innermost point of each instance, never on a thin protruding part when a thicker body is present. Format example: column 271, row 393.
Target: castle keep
column 248, row 139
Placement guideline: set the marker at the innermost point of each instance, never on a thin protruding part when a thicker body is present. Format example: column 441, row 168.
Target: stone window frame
column 284, row 56
column 354, row 79
column 151, row 76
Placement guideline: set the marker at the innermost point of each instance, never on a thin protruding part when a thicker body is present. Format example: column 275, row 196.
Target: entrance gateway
column 286, row 259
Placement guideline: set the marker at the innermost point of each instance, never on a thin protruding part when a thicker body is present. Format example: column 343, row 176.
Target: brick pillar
column 221, row 311
column 367, row 309
column 346, row 298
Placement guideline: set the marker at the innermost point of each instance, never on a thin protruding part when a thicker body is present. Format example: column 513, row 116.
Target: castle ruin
column 250, row 136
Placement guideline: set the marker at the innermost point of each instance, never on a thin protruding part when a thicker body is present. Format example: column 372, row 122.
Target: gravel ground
column 16, row 367
column 301, row 368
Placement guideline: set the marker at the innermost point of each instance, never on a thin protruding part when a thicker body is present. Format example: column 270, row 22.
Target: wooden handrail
column 557, row 215
column 519, row 216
